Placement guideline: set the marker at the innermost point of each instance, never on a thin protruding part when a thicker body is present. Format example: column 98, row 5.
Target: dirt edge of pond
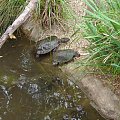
column 102, row 98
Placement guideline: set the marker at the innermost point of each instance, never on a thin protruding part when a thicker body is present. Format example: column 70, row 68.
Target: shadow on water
column 33, row 89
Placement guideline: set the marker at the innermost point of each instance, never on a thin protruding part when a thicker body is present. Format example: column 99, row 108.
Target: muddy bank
column 102, row 98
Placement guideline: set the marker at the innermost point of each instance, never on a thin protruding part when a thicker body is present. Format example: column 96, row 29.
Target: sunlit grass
column 102, row 30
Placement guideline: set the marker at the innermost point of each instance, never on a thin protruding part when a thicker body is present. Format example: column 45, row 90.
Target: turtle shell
column 46, row 45
column 64, row 56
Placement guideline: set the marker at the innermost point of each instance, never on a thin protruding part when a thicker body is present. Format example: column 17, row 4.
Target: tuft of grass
column 102, row 30
column 52, row 11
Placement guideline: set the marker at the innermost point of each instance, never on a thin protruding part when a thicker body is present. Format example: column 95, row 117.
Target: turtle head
column 77, row 54
column 64, row 40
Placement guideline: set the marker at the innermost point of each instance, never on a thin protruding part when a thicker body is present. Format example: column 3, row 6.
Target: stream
column 33, row 89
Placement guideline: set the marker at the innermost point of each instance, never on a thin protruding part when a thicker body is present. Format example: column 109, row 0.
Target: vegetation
column 48, row 11
column 102, row 30
column 9, row 10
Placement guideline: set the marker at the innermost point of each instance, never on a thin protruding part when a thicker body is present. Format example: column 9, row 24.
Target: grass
column 50, row 11
column 9, row 10
column 102, row 30
column 47, row 11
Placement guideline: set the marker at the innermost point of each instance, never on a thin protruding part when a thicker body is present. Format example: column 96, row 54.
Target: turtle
column 48, row 44
column 63, row 56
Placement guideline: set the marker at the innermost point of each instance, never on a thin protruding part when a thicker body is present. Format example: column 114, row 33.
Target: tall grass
column 47, row 11
column 102, row 30
column 50, row 11
column 9, row 10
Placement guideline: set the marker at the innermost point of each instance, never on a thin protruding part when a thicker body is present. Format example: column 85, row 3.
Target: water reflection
column 33, row 89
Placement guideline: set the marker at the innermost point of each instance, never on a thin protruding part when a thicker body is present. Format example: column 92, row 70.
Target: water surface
column 32, row 89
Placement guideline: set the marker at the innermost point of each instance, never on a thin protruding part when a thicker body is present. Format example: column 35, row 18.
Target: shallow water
column 32, row 89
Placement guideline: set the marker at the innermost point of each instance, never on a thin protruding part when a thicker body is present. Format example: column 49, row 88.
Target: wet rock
column 103, row 99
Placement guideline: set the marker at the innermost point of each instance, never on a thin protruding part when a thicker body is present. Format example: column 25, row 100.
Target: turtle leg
column 55, row 63
column 55, row 49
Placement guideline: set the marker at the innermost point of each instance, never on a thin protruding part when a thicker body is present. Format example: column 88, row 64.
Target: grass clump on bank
column 102, row 30
column 50, row 11
column 47, row 11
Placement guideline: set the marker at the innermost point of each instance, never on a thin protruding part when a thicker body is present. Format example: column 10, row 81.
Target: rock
column 102, row 98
